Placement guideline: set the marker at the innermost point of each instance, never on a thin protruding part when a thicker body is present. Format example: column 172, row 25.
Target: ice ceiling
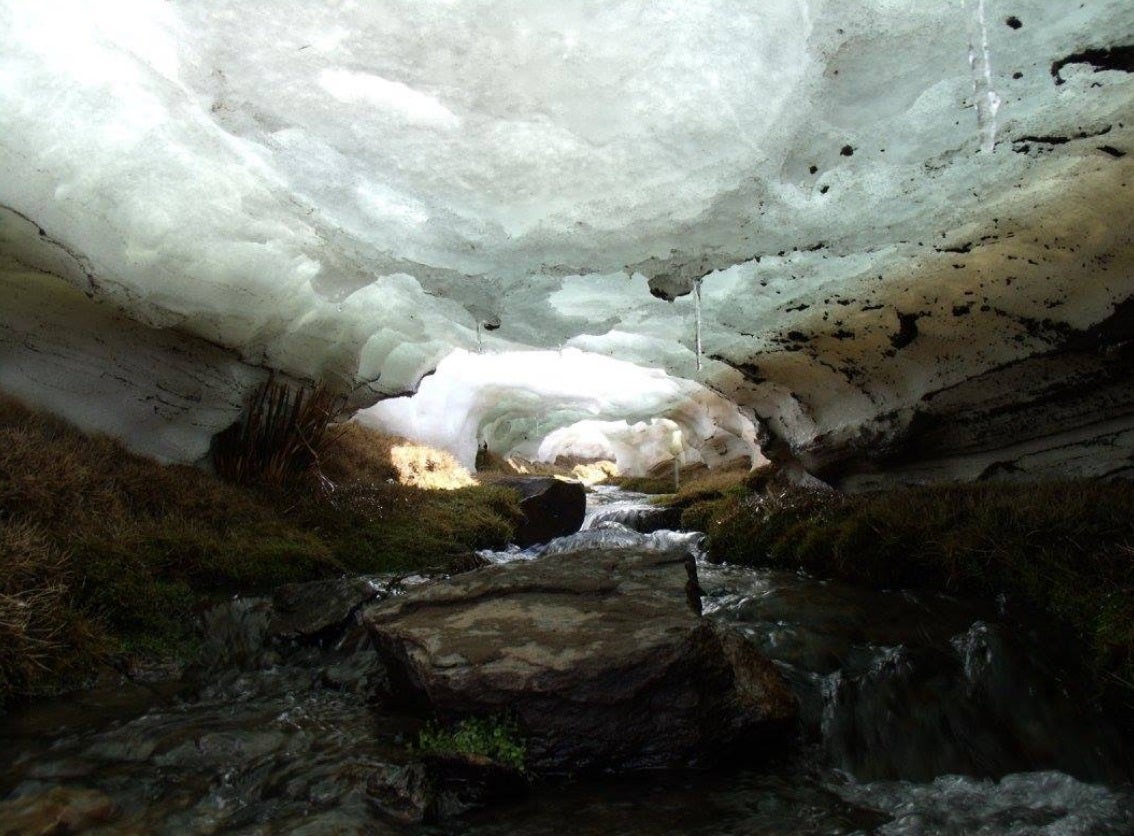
column 193, row 192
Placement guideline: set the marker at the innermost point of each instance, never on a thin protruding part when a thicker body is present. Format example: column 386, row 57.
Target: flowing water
column 920, row 714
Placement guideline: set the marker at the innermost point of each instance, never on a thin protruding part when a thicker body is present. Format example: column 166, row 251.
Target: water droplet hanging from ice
column 697, row 315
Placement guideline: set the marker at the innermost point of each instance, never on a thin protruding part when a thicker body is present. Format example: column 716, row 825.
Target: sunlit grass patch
column 426, row 467
column 594, row 473
column 588, row 472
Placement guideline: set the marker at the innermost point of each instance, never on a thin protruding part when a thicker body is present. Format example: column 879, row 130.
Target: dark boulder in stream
column 319, row 608
column 601, row 656
column 551, row 507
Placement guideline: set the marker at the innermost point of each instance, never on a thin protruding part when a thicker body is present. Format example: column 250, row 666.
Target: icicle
column 697, row 313
column 985, row 99
column 479, row 340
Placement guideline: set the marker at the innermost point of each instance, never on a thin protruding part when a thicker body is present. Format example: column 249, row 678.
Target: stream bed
column 919, row 714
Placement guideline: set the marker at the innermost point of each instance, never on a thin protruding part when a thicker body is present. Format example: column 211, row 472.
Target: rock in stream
column 601, row 656
column 550, row 507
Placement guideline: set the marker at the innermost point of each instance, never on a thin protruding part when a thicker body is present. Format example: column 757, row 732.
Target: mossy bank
column 1063, row 549
column 106, row 557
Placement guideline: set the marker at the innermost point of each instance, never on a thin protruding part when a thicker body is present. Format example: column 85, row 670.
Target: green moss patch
column 656, row 485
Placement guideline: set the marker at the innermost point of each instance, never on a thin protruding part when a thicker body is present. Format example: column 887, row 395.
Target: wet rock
column 307, row 635
column 235, row 632
column 352, row 667
column 601, row 656
column 338, row 822
column 440, row 786
column 308, row 610
column 551, row 507
column 58, row 810
column 400, row 791
column 462, row 782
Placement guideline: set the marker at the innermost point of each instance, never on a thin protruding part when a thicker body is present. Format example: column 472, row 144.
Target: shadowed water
column 920, row 714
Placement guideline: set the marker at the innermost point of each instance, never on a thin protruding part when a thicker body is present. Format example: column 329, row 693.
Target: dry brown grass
column 42, row 638
column 700, row 483
column 53, row 476
column 594, row 473
column 589, row 471
column 359, row 455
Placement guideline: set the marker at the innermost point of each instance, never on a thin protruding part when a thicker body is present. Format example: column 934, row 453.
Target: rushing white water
column 606, row 504
column 924, row 708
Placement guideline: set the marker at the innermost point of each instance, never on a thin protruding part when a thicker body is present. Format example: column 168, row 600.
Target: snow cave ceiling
column 909, row 221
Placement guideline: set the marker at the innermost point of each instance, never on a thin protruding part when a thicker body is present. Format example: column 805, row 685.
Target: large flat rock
column 601, row 656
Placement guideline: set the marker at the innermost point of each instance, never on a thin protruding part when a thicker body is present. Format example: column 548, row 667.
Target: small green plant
column 497, row 738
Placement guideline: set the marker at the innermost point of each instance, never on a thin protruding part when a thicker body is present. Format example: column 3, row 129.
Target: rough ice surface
column 351, row 191
column 544, row 404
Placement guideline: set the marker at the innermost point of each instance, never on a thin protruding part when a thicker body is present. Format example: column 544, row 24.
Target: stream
column 920, row 714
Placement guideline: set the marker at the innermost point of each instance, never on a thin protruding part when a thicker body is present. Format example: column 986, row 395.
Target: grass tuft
column 280, row 436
